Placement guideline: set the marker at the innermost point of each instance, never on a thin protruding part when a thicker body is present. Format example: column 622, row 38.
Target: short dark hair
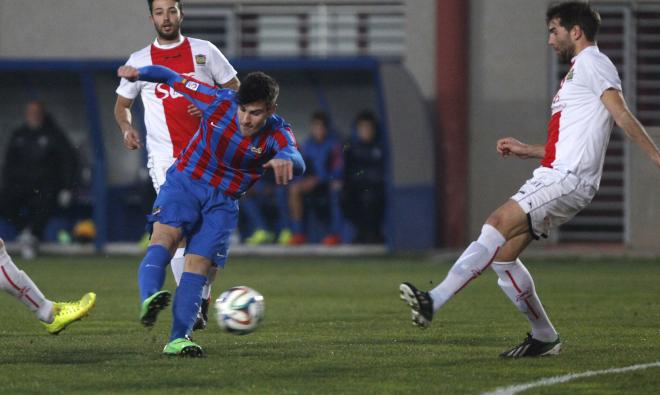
column 150, row 3
column 575, row 13
column 322, row 117
column 366, row 116
column 258, row 86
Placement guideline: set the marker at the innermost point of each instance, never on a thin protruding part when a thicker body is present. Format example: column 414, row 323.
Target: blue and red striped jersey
column 218, row 153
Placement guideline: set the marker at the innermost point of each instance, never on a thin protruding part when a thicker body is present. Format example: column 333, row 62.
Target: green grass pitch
column 338, row 326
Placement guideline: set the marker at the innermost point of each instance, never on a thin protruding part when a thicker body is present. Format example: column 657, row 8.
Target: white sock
column 177, row 263
column 206, row 291
column 18, row 284
column 518, row 285
column 474, row 260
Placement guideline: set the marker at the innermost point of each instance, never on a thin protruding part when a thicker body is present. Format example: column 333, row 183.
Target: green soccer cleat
column 152, row 306
column 183, row 347
column 66, row 313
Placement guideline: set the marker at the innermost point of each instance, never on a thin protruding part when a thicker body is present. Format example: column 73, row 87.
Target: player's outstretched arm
column 129, row 72
column 616, row 105
column 196, row 92
column 148, row 73
column 510, row 146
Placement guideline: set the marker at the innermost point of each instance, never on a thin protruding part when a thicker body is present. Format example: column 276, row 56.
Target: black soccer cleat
column 200, row 323
column 202, row 316
column 531, row 347
column 420, row 302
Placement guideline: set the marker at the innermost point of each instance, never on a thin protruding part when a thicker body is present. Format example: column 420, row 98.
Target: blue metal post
column 389, row 184
column 99, row 185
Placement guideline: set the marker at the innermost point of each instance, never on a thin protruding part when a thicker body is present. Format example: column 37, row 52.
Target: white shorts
column 551, row 198
column 158, row 166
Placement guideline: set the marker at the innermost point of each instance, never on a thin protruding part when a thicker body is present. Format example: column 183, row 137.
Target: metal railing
column 302, row 29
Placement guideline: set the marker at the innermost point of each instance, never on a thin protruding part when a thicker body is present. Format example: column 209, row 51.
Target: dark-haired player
column 584, row 110
column 169, row 118
column 239, row 137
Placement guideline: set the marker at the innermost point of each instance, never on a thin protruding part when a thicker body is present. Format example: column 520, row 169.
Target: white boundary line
column 514, row 389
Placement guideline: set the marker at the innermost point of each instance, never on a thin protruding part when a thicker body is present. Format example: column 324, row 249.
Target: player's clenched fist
column 509, row 145
column 128, row 72
column 132, row 139
column 283, row 170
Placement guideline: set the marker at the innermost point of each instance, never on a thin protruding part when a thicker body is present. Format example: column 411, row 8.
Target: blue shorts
column 206, row 216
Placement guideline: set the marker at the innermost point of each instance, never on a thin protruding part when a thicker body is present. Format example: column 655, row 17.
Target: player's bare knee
column 494, row 220
column 169, row 241
column 166, row 236
column 498, row 221
column 509, row 219
column 197, row 264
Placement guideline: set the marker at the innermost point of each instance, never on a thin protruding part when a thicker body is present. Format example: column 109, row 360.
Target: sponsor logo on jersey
column 163, row 91
column 200, row 59
column 256, row 150
column 569, row 76
column 155, row 211
column 192, row 85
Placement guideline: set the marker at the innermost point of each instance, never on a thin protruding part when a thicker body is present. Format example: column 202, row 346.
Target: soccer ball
column 239, row 310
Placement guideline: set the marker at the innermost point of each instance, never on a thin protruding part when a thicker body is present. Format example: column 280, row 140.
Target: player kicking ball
column 170, row 120
column 55, row 316
column 583, row 111
column 239, row 137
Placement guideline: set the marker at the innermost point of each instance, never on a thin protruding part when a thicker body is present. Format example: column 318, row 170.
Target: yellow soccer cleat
column 285, row 237
column 66, row 313
column 260, row 236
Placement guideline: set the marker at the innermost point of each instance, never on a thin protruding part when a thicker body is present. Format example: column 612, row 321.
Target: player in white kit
column 584, row 109
column 169, row 118
column 55, row 316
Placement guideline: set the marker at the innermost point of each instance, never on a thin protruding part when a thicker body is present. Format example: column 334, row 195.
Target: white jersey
column 580, row 127
column 169, row 126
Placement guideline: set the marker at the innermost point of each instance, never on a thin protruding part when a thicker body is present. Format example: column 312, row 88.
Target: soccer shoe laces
column 65, row 308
